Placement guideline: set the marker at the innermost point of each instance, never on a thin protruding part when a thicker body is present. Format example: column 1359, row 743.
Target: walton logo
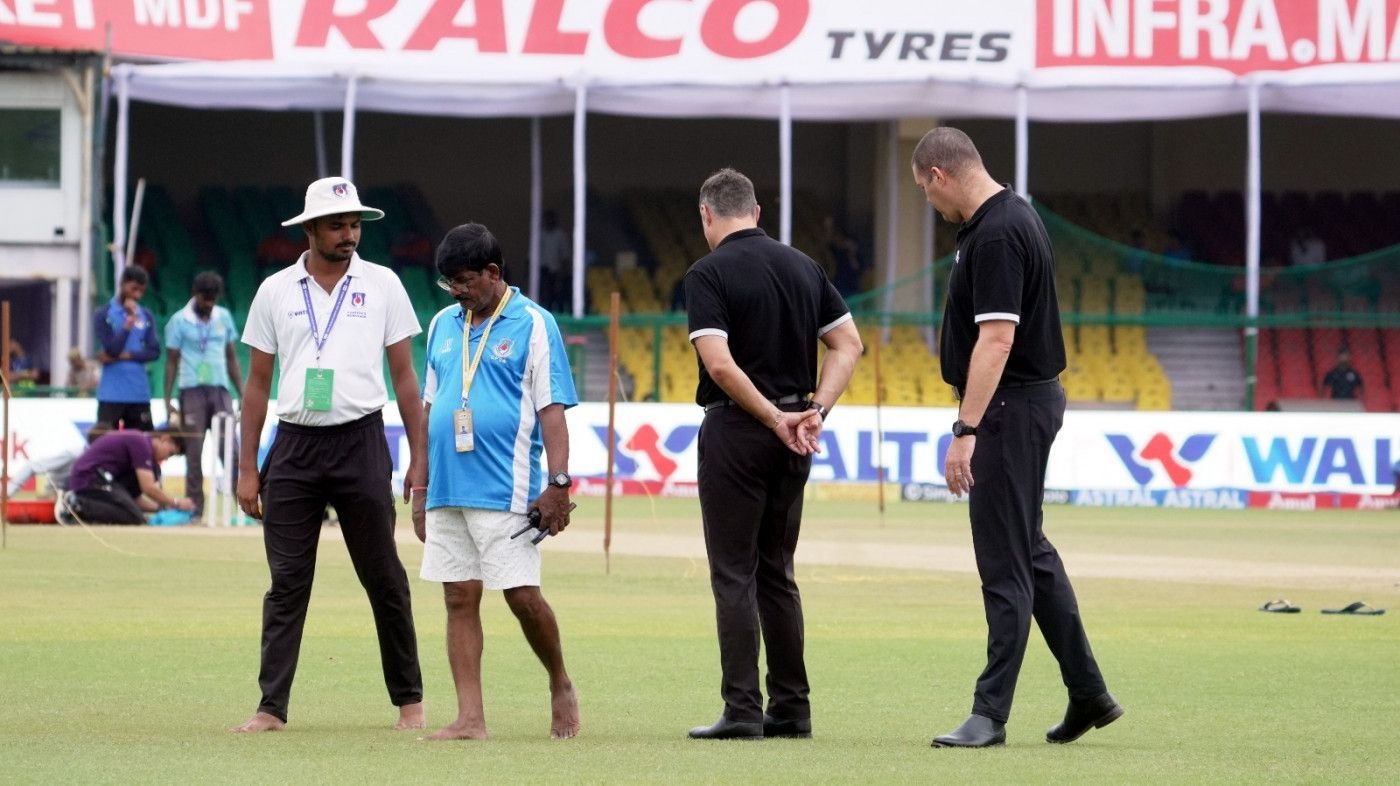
column 1160, row 450
column 646, row 441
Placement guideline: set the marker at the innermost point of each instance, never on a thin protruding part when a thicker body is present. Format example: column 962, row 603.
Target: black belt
column 725, row 402
column 957, row 391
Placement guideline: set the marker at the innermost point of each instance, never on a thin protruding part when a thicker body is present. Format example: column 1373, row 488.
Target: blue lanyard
column 330, row 323
column 202, row 329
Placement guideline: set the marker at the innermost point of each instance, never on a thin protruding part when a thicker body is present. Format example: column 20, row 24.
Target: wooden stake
column 879, row 429
column 5, row 440
column 614, row 314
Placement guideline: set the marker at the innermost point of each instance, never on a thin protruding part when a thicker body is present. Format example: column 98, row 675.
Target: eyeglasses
column 459, row 284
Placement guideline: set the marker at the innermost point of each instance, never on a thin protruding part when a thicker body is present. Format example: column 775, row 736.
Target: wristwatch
column 961, row 429
column 561, row 479
column 814, row 404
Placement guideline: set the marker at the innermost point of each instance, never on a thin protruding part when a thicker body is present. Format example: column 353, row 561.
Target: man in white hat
column 329, row 320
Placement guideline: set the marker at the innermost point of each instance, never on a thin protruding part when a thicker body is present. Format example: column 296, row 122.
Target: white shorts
column 470, row 544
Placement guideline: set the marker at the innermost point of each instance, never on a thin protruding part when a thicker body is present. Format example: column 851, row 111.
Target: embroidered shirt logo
column 502, row 350
column 357, row 299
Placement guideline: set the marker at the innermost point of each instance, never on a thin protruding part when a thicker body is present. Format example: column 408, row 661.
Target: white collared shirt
column 375, row 313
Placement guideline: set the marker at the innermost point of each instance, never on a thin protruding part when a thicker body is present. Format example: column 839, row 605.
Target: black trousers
column 1022, row 575
column 119, row 414
column 347, row 466
column 113, row 505
column 751, row 501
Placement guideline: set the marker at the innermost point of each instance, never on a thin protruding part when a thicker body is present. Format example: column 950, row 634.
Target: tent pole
column 63, row 322
column 580, row 194
column 785, row 164
column 892, row 181
column 318, row 124
column 536, row 208
column 91, row 176
column 1022, row 139
column 119, row 165
column 1253, row 180
column 347, row 136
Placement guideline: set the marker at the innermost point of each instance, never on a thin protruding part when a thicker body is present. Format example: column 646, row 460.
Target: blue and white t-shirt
column 523, row 370
column 203, row 345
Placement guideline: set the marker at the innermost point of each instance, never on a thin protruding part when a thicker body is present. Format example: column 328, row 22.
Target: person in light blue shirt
column 126, row 335
column 199, row 355
column 496, row 386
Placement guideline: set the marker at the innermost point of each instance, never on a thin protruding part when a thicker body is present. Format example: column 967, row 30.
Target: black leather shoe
column 1082, row 716
column 772, row 727
column 726, row 729
column 976, row 732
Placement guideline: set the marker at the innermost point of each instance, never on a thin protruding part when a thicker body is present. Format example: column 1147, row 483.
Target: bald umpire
column 1002, row 351
column 757, row 309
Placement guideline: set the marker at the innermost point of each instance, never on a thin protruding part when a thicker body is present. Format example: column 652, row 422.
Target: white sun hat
column 331, row 196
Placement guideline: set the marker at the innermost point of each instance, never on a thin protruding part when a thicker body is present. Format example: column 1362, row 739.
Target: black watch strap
column 814, row 404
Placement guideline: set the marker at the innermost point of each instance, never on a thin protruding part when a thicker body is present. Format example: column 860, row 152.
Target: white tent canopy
column 1158, row 94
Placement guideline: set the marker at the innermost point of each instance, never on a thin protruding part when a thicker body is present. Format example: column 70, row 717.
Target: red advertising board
column 1236, row 35
column 194, row 29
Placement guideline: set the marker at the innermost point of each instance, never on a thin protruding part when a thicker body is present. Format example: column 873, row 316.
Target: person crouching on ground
column 117, row 479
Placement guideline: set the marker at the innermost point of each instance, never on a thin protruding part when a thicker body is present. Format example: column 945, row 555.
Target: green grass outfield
column 125, row 654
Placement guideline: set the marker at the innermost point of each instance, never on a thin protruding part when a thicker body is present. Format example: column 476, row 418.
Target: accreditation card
column 316, row 396
column 462, row 429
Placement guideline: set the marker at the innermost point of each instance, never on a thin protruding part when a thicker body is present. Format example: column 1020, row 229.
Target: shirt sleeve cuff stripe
column 710, row 332
column 846, row 317
column 998, row 315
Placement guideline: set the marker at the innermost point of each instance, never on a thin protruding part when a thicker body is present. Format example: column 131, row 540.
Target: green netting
column 1355, row 291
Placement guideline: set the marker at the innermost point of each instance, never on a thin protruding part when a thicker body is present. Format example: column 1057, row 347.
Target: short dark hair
column 470, row 246
column 135, row 273
column 176, row 436
column 728, row 193
column 948, row 149
column 209, row 284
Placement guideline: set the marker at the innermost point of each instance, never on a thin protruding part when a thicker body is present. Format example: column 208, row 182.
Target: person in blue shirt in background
column 126, row 333
column 199, row 348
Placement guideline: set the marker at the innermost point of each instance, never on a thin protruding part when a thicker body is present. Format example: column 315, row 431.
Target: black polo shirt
column 1004, row 269
column 1342, row 381
column 772, row 303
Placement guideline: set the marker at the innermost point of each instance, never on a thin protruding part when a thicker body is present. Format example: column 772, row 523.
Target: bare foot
column 563, row 704
column 260, row 722
column 459, row 730
column 411, row 717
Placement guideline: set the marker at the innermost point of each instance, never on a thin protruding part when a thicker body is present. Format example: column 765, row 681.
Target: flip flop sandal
column 1280, row 606
column 1356, row 607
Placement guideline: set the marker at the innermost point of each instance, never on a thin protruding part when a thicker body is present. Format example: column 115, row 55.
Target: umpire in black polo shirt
column 1003, row 351
column 757, row 310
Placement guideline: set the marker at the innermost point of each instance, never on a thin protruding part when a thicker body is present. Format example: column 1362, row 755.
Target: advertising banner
column 728, row 41
column 1238, row 36
column 1153, row 459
